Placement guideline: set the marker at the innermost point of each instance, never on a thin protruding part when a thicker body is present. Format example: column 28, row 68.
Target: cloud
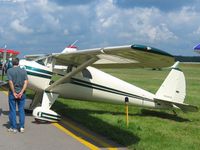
column 51, row 21
column 45, row 6
column 168, row 5
column 66, row 32
column 50, row 25
column 187, row 15
column 20, row 28
column 198, row 31
column 138, row 23
column 157, row 33
column 72, row 2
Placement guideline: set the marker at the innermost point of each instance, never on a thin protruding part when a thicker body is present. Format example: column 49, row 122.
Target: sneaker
column 12, row 130
column 21, row 130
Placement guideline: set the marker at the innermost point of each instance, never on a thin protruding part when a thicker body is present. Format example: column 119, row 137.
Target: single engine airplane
column 81, row 78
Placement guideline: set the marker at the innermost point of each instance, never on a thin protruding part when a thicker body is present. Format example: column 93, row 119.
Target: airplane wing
column 112, row 57
column 128, row 56
column 34, row 57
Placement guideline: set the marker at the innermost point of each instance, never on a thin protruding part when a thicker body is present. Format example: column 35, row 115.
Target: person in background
column 8, row 64
column 18, row 81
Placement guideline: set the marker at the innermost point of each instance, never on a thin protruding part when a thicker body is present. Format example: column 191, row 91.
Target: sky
column 48, row 26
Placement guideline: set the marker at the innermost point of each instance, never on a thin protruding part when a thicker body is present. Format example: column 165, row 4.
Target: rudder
column 173, row 88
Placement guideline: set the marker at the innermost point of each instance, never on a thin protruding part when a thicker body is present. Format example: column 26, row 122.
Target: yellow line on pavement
column 4, row 90
column 84, row 142
column 94, row 138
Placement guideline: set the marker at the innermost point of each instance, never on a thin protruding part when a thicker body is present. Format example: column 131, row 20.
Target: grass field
column 148, row 129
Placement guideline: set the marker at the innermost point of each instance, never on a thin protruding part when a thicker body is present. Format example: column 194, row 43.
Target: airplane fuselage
column 91, row 84
column 103, row 87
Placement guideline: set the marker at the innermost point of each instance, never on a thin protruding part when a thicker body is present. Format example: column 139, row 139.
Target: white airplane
column 81, row 80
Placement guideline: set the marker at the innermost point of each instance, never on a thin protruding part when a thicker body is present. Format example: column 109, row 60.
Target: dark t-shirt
column 17, row 76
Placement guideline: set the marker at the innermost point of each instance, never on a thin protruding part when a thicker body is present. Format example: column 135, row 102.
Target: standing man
column 8, row 64
column 18, row 81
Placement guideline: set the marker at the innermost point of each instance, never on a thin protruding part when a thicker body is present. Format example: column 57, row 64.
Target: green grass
column 148, row 129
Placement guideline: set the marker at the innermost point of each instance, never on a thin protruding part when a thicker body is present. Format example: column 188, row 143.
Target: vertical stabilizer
column 173, row 88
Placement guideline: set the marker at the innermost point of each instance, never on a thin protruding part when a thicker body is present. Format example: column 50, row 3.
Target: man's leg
column 21, row 103
column 12, row 113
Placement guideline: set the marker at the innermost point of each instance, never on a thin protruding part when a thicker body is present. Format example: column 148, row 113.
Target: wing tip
column 150, row 49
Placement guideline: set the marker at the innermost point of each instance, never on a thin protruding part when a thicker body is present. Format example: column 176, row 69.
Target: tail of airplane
column 197, row 48
column 174, row 87
column 70, row 48
column 173, row 91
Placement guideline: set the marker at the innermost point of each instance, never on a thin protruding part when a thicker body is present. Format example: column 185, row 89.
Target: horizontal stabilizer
column 184, row 107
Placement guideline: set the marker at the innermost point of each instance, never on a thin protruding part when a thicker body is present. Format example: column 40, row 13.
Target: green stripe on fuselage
column 38, row 75
column 39, row 70
column 106, row 89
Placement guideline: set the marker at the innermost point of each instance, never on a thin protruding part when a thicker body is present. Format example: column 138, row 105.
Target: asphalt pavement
column 66, row 135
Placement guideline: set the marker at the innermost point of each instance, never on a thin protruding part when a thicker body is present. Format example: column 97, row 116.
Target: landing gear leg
column 44, row 113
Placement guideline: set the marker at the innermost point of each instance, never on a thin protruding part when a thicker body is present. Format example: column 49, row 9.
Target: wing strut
column 69, row 75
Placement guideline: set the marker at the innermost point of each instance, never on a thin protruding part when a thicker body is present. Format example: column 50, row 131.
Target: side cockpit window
column 41, row 62
column 45, row 60
column 86, row 74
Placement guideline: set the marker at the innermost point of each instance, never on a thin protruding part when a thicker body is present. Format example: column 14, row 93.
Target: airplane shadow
column 101, row 127
column 148, row 113
column 152, row 113
column 162, row 115
column 126, row 137
column 40, row 122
